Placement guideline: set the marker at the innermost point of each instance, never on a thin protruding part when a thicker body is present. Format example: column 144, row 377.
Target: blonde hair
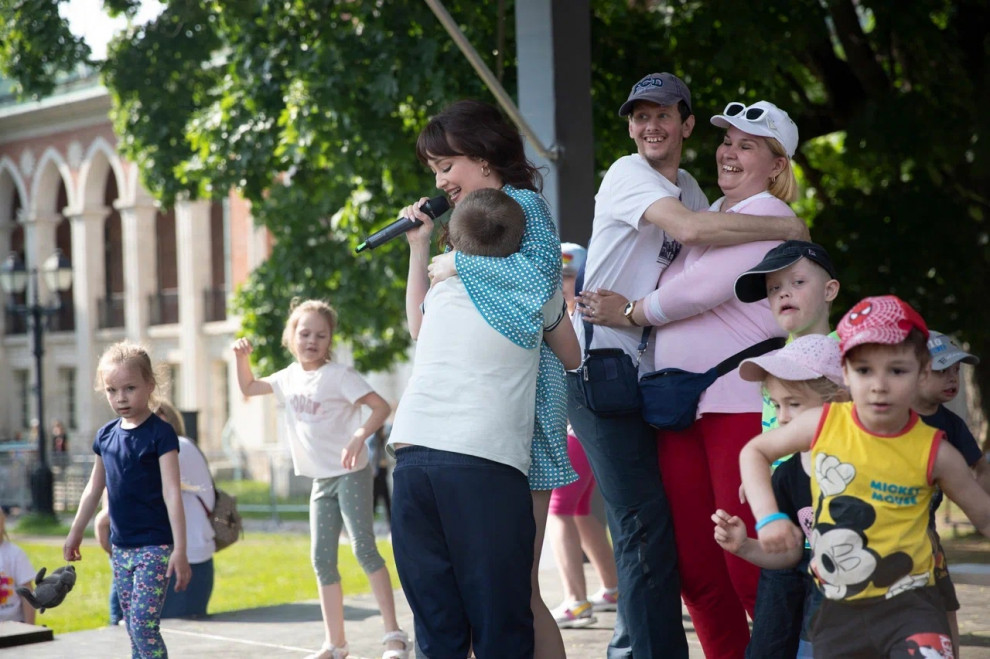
column 826, row 390
column 171, row 415
column 783, row 186
column 136, row 356
column 296, row 309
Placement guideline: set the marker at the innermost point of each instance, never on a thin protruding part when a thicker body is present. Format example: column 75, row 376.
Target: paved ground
column 294, row 630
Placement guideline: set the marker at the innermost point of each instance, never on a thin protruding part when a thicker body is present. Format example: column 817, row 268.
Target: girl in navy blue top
column 137, row 460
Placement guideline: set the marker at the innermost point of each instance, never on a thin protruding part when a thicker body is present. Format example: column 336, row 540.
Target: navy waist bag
column 669, row 397
column 609, row 377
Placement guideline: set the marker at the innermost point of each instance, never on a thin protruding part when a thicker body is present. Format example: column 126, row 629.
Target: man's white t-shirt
column 318, row 416
column 15, row 570
column 627, row 253
column 472, row 391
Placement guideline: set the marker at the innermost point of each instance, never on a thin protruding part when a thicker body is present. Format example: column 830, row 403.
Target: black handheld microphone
column 434, row 207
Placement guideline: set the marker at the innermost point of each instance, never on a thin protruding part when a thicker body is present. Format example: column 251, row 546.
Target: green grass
column 40, row 525
column 257, row 493
column 263, row 569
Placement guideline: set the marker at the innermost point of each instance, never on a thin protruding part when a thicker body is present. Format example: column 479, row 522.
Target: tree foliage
column 890, row 98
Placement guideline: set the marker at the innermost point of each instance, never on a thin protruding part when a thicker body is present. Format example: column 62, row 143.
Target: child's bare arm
column 730, row 534
column 564, row 343
column 380, row 409
column 87, row 506
column 956, row 480
column 776, row 534
column 981, row 470
column 101, row 527
column 245, row 377
column 178, row 562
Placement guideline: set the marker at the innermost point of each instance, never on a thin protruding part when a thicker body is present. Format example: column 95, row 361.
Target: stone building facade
column 158, row 276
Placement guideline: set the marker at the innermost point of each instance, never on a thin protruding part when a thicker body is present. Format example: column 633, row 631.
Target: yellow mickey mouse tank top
column 871, row 495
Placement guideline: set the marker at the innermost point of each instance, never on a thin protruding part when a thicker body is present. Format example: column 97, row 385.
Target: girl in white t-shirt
column 321, row 404
column 15, row 570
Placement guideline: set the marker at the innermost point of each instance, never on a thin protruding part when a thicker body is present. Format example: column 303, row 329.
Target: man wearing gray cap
column 645, row 209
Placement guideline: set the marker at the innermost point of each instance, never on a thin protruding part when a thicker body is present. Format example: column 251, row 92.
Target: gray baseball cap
column 660, row 88
column 945, row 352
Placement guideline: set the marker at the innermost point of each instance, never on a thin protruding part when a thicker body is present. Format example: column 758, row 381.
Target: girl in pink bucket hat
column 804, row 374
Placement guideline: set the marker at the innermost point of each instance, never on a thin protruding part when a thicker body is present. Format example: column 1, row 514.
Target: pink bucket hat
column 806, row 358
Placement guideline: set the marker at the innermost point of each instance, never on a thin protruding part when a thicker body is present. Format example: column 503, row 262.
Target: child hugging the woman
column 137, row 460
column 322, row 403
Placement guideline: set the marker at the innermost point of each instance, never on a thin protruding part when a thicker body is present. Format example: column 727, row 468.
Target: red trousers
column 700, row 470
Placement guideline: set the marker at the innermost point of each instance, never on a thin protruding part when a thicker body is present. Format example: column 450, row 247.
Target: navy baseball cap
column 751, row 286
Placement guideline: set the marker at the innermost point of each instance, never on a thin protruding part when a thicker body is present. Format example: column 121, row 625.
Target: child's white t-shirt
column 472, row 391
column 15, row 570
column 318, row 416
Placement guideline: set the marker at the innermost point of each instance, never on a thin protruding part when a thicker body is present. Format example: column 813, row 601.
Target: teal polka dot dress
column 491, row 282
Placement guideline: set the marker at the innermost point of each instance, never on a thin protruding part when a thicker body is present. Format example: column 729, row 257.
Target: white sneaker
column 605, row 599
column 574, row 614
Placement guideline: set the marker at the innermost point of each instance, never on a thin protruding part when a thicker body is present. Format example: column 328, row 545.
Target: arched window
column 215, row 296
column 65, row 319
column 111, row 309
column 16, row 323
column 165, row 302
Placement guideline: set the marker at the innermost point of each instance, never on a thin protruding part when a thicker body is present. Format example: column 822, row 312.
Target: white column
column 140, row 267
column 39, row 244
column 88, row 286
column 192, row 240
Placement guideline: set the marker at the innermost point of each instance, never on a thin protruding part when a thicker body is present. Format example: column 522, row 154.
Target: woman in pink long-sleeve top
column 699, row 322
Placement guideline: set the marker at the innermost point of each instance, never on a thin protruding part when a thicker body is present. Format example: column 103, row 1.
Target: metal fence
column 17, row 460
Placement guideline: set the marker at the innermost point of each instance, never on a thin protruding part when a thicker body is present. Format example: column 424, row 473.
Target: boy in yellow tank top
column 875, row 468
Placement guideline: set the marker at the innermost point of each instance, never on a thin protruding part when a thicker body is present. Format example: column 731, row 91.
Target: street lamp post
column 14, row 277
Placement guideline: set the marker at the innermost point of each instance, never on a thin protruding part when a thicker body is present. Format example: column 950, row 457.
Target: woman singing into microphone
column 470, row 146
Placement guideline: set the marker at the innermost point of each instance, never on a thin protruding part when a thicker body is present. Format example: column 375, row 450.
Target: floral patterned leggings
column 139, row 577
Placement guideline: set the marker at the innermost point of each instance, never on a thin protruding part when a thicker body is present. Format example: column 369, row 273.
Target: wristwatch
column 628, row 312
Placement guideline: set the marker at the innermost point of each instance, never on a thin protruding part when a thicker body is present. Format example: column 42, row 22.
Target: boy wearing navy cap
column 800, row 282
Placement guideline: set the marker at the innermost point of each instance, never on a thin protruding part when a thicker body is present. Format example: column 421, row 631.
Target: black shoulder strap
column 760, row 348
column 589, row 329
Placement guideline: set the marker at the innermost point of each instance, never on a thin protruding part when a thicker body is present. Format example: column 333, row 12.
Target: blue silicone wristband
column 769, row 519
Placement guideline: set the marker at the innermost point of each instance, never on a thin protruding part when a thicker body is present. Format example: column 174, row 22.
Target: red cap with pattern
column 885, row 319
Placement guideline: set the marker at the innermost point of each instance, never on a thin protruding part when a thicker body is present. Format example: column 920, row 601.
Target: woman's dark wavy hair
column 479, row 131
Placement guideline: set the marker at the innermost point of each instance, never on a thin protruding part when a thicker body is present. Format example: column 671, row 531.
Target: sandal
column 330, row 652
column 401, row 637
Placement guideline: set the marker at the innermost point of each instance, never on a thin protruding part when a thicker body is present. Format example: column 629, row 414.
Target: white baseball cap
column 762, row 118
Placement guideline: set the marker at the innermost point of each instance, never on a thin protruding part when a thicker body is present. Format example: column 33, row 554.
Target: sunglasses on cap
column 735, row 109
